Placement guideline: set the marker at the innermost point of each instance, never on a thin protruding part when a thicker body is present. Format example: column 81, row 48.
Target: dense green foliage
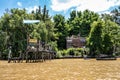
column 95, row 38
column 80, row 22
column 104, row 38
column 102, row 31
column 61, row 30
column 70, row 52
column 16, row 33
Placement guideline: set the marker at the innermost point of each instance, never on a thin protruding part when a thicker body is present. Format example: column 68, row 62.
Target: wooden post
column 26, row 57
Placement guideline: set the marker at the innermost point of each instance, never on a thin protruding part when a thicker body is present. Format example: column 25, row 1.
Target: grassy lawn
column 61, row 69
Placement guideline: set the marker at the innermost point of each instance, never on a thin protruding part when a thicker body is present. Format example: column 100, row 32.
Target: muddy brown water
column 61, row 69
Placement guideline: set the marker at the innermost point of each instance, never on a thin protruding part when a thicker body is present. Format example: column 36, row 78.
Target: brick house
column 75, row 42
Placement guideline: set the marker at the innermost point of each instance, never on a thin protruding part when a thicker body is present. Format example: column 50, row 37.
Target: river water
column 61, row 69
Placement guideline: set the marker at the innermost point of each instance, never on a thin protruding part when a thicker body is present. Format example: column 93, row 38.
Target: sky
column 63, row 7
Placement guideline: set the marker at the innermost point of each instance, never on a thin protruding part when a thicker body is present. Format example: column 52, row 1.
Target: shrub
column 72, row 52
column 59, row 54
column 76, row 53
column 64, row 52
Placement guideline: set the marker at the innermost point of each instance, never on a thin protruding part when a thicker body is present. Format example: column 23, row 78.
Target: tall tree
column 107, row 44
column 95, row 38
column 13, row 24
column 60, row 30
column 80, row 22
column 113, row 30
column 72, row 15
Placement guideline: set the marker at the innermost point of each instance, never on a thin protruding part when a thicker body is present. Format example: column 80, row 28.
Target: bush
column 71, row 52
column 74, row 51
column 77, row 53
column 59, row 55
column 80, row 52
column 64, row 53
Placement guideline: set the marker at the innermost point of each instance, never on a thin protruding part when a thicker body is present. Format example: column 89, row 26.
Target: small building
column 75, row 42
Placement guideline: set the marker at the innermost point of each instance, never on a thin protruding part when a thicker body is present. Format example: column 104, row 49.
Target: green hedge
column 70, row 52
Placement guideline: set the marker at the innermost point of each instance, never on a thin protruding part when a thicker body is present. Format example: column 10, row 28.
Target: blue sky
column 61, row 6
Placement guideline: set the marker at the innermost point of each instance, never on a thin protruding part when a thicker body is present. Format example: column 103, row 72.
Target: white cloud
column 30, row 9
column 97, row 6
column 93, row 5
column 58, row 5
column 19, row 4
